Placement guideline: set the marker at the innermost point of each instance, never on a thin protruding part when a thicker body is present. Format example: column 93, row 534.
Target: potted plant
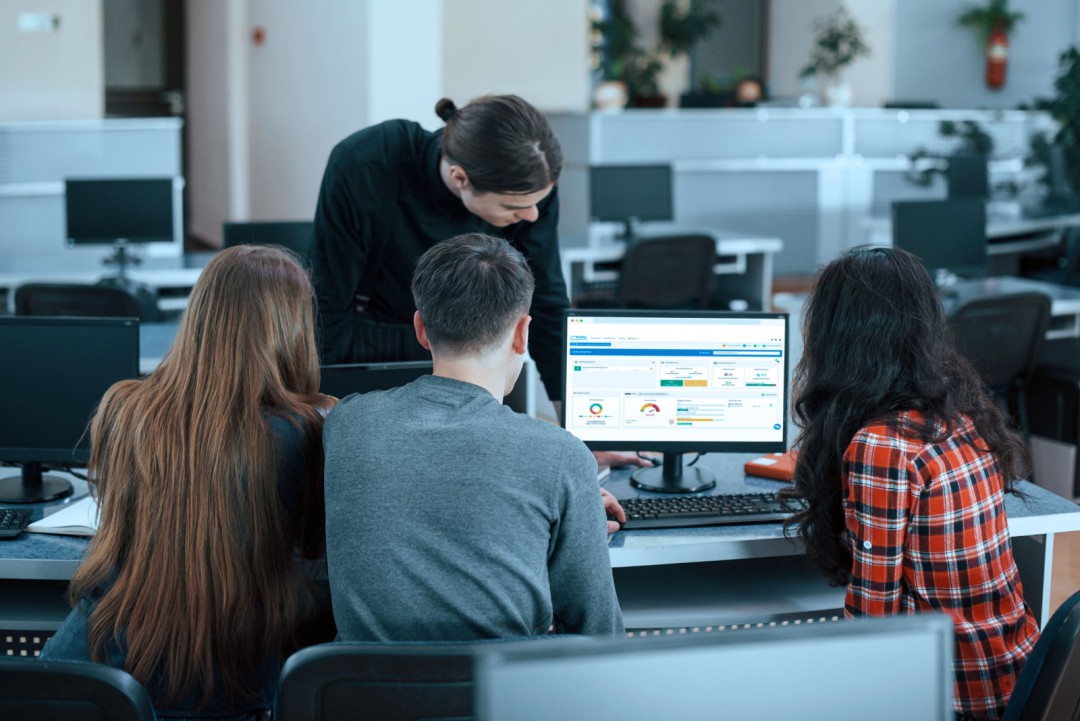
column 623, row 62
column 838, row 43
column 992, row 24
column 683, row 24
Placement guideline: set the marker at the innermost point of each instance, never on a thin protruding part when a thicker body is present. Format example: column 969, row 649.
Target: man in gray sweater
column 449, row 516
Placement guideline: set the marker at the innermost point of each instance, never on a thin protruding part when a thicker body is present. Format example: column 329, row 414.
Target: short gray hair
column 470, row 290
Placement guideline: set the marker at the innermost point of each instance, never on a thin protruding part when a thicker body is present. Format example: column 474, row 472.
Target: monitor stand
column 33, row 487
column 124, row 257
column 671, row 477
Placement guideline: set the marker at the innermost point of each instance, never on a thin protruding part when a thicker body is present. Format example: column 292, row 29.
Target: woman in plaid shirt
column 904, row 462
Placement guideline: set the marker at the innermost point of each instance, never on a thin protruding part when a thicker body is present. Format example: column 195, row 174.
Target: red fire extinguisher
column 997, row 57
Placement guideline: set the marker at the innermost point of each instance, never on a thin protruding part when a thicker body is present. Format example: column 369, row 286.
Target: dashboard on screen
column 677, row 382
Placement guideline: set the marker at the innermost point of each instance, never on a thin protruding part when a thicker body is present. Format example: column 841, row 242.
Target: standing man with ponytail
column 392, row 191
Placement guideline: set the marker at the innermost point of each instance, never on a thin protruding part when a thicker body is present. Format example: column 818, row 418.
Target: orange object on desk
column 777, row 466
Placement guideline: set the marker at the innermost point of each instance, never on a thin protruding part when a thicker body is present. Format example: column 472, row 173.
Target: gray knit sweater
column 450, row 517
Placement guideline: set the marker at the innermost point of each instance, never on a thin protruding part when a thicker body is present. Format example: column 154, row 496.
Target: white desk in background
column 172, row 284
column 744, row 262
column 1064, row 300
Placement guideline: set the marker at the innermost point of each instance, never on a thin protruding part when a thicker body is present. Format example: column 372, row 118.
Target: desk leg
column 1035, row 560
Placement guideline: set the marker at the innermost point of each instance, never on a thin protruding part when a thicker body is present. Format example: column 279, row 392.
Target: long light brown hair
column 194, row 546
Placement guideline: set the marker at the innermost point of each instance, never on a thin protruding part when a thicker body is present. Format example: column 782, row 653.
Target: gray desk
column 1064, row 300
column 666, row 578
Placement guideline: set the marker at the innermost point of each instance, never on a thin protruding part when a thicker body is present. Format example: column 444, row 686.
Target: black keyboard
column 676, row 511
column 13, row 521
column 598, row 291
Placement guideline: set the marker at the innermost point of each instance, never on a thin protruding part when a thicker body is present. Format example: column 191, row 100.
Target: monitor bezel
column 665, row 446
column 79, row 454
column 902, row 223
column 614, row 168
column 140, row 240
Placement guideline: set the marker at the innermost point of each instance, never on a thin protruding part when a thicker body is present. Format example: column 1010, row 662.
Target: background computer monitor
column 839, row 671
column 949, row 236
column 630, row 194
column 677, row 382
column 296, row 235
column 55, row 371
column 104, row 211
column 340, row 380
column 967, row 176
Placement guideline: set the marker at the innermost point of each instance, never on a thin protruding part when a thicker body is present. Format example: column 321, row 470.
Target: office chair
column 78, row 300
column 1002, row 337
column 293, row 234
column 1047, row 688
column 399, row 682
column 668, row 272
column 33, row 689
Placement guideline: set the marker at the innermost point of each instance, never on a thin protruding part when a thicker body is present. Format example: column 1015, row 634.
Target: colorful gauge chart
column 596, row 409
column 650, row 409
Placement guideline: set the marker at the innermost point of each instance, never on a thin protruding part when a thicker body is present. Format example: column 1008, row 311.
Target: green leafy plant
column 839, row 42
column 1065, row 109
column 986, row 19
column 973, row 139
column 621, row 58
column 684, row 24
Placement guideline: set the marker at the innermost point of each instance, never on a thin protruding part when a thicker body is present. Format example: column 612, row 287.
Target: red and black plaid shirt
column 927, row 531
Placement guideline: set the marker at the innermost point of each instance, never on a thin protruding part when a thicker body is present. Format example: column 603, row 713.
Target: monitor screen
column 947, row 235
column 676, row 381
column 629, row 193
column 967, row 177
column 296, row 235
column 55, row 373
column 730, row 674
column 103, row 211
column 340, row 380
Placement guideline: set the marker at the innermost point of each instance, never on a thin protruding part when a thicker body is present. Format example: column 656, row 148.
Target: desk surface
column 47, row 557
column 1040, row 513
column 1064, row 300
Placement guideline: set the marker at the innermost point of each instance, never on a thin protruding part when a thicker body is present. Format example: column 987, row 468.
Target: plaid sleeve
column 876, row 506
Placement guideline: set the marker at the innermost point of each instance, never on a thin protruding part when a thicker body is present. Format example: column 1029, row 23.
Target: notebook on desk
column 79, row 518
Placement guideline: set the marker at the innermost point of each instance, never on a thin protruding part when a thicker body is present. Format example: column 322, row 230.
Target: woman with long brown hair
column 208, row 473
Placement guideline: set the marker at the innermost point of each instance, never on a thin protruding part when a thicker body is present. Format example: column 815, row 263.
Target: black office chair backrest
column 1048, row 688
column 293, row 234
column 1002, row 335
column 51, row 690
column 668, row 272
column 399, row 682
column 75, row 299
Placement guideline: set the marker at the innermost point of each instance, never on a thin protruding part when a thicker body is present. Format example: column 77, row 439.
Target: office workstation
column 676, row 226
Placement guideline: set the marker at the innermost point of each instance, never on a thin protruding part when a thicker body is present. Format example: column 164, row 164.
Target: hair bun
column 445, row 109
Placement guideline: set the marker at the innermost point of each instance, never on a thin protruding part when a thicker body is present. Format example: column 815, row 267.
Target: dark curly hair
column 877, row 343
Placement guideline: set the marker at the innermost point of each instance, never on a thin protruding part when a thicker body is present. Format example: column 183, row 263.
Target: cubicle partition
column 36, row 158
column 810, row 177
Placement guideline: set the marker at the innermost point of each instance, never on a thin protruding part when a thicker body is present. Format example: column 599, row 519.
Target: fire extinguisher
column 997, row 57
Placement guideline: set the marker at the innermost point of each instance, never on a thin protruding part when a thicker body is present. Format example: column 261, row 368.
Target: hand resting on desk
column 614, row 511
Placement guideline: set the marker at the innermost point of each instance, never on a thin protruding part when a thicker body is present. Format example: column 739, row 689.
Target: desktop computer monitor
column 342, row 379
column 677, row 382
column 948, row 236
column 841, row 670
column 630, row 194
column 967, row 176
column 296, row 235
column 133, row 210
column 55, row 371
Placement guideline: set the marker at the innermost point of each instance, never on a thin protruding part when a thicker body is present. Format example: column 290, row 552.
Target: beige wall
column 538, row 50
column 52, row 75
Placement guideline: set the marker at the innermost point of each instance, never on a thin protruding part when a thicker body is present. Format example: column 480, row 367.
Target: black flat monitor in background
column 296, row 235
column 340, row 380
column 630, row 194
column 677, row 382
column 967, row 176
column 120, row 212
column 949, row 236
column 55, row 371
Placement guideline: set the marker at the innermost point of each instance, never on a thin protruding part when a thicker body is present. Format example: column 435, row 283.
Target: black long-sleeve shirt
column 360, row 179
